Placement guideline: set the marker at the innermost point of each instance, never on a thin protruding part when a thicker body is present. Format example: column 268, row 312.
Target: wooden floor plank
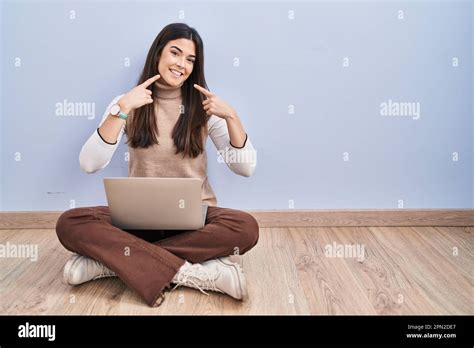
column 431, row 275
column 328, row 286
column 405, row 271
column 455, row 245
column 388, row 288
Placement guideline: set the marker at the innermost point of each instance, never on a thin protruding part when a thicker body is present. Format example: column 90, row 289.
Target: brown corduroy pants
column 147, row 260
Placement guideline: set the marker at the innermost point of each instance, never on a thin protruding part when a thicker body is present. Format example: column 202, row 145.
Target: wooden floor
column 406, row 270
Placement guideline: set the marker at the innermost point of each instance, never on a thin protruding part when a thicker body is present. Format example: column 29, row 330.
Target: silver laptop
column 143, row 203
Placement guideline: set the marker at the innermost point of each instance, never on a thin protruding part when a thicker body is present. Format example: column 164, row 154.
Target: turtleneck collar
column 167, row 92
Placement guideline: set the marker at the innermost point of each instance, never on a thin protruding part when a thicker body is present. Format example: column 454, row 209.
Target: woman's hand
column 139, row 95
column 213, row 105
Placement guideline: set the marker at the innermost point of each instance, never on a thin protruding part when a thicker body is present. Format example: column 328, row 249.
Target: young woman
column 167, row 118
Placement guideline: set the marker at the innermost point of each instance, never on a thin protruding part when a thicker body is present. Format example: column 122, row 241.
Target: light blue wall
column 1, row 108
column 283, row 62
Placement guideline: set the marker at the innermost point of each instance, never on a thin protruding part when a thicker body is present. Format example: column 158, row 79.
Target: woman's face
column 178, row 55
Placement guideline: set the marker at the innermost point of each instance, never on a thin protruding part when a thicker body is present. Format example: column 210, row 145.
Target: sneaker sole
column 67, row 269
column 241, row 273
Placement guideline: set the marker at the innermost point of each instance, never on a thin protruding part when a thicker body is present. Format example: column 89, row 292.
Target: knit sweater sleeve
column 96, row 153
column 241, row 160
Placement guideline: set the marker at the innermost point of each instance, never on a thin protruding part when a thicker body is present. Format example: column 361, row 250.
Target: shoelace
column 197, row 272
column 105, row 272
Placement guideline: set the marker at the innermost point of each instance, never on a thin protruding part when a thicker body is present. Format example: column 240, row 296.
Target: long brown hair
column 188, row 133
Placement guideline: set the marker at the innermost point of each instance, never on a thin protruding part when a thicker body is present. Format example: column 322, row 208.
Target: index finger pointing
column 203, row 90
column 150, row 80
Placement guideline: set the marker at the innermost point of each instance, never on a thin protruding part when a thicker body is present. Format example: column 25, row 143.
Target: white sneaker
column 221, row 275
column 80, row 269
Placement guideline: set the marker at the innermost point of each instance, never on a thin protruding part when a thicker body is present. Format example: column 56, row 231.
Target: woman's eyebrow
column 179, row 49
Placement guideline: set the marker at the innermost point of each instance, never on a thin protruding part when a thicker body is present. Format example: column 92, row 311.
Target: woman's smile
column 175, row 73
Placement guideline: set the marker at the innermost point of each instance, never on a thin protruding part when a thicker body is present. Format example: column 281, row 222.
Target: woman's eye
column 176, row 53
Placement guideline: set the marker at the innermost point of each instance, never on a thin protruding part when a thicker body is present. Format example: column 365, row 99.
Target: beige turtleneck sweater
column 160, row 160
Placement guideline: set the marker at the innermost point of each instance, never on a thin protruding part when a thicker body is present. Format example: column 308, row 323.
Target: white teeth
column 177, row 73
